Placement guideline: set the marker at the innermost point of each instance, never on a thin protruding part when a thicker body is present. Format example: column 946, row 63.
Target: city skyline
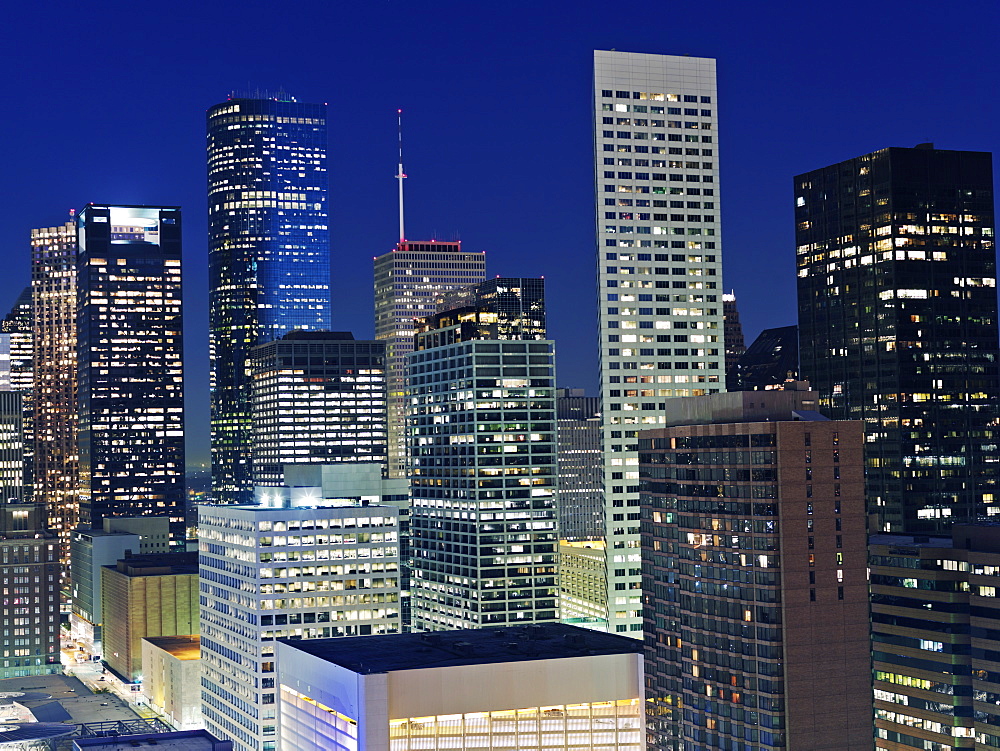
column 468, row 153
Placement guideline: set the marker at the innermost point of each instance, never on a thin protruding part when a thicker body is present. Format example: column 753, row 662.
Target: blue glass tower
column 269, row 256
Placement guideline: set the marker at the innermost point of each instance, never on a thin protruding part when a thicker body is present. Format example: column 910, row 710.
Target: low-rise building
column 544, row 686
column 142, row 596
column 171, row 678
column 583, row 584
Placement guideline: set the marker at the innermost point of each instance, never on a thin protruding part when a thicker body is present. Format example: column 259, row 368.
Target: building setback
column 56, row 460
column 483, row 521
column 318, row 398
column 546, row 686
column 130, row 364
column 754, row 576
column 659, row 266
column 898, row 325
column 268, row 258
column 936, row 639
column 408, row 282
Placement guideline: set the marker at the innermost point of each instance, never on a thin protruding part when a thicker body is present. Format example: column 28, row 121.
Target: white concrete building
column 546, row 686
column 297, row 572
column 171, row 678
column 659, row 273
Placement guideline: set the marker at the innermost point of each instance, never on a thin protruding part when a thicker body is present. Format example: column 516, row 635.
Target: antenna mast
column 400, row 175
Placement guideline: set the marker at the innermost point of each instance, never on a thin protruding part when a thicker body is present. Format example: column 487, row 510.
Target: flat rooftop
column 439, row 649
column 910, row 541
column 184, row 740
column 181, row 647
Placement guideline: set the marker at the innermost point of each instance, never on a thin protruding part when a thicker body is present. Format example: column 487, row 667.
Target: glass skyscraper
column 130, row 371
column 898, row 325
column 269, row 256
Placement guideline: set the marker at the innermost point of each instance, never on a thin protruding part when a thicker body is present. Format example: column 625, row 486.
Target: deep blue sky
column 105, row 102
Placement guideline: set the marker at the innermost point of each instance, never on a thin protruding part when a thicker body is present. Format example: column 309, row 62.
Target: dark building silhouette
column 768, row 363
column 732, row 333
column 898, row 325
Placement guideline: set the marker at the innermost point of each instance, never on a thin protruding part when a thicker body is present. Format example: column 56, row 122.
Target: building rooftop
column 181, row 647
column 910, row 541
column 157, row 564
column 184, row 740
column 439, row 649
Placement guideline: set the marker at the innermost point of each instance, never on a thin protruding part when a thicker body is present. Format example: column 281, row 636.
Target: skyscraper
column 269, row 256
column 581, row 499
column 935, row 636
column 129, row 355
column 56, row 455
column 898, row 325
column 318, row 398
column 408, row 282
column 18, row 324
column 659, row 271
column 17, row 329
column 755, row 576
column 770, row 361
column 483, row 520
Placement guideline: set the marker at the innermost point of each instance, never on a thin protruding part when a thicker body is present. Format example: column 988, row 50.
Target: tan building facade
column 144, row 596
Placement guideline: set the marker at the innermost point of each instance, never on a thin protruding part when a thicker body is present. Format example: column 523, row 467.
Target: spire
column 400, row 176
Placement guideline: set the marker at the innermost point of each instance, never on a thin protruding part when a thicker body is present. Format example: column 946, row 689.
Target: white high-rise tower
column 659, row 273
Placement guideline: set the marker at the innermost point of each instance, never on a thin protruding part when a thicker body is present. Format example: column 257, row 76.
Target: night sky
column 106, row 102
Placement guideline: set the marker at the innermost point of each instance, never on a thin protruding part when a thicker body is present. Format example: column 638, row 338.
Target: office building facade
column 296, row 572
column 56, row 454
column 659, row 262
column 547, row 686
column 898, row 324
column 269, row 256
column 318, row 398
column 483, row 520
column 29, row 614
column 408, row 282
column 935, row 639
column 581, row 496
column 130, row 364
column 754, row 576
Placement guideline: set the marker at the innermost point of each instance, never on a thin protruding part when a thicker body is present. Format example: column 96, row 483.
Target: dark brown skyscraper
column 754, row 576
